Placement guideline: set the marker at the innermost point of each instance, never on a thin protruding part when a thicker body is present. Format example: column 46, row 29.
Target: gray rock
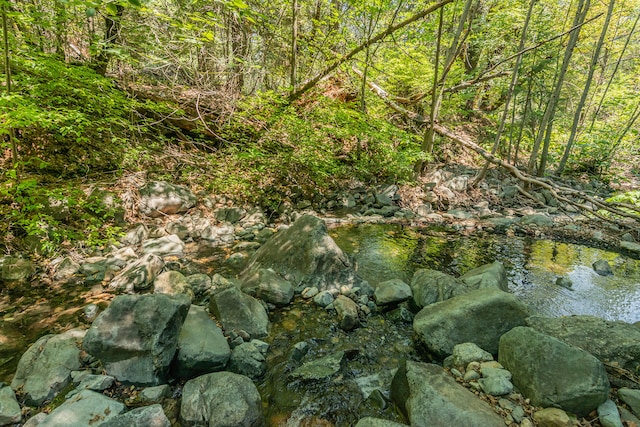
column 221, row 234
column 84, row 409
column 319, row 369
column 136, row 235
column 430, row 286
column 552, row 373
column 136, row 337
column 164, row 246
column 602, row 267
column 221, row 399
column 539, row 220
column 459, row 183
column 305, row 255
column 479, row 316
column 631, row 246
column 154, row 394
column 632, row 398
column 308, row 293
column 487, row 276
column 392, row 291
column 200, row 283
column 323, row 298
column 627, row 416
column 564, row 282
column 13, row 269
column 45, row 368
column 36, row 420
column 429, row 396
column 231, row 215
column 239, row 311
column 96, row 382
column 609, row 415
column 468, row 352
column 269, row 287
column 377, row 422
column 66, row 269
column 553, row 417
column 460, row 214
column 139, row 275
column 158, row 198
column 172, row 283
column 496, row 386
column 347, row 312
column 247, row 359
column 202, row 348
column 146, row 416
column 608, row 341
column 10, row 412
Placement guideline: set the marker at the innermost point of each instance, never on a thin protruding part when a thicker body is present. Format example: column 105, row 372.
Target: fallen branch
column 561, row 193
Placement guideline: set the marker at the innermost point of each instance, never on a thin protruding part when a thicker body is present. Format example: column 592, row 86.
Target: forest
column 260, row 100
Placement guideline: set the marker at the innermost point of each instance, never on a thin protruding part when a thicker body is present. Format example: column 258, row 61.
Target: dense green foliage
column 198, row 91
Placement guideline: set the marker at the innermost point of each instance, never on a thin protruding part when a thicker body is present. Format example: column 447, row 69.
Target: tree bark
column 7, row 72
column 112, row 31
column 577, row 118
column 294, row 45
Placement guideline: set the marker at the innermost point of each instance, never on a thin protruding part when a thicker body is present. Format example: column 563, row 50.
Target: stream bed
column 373, row 351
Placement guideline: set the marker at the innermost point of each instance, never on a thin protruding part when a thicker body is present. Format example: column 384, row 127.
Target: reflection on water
column 383, row 252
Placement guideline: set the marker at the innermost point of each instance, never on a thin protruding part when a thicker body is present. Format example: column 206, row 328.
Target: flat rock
column 430, row 286
column 632, row 398
column 270, row 287
column 146, row 416
column 84, row 409
column 45, row 368
column 607, row 340
column 479, row 316
column 552, row 373
column 319, row 369
column 221, row 399
column 609, row 415
column 164, row 246
column 239, row 311
column 202, row 348
column 136, row 337
column 172, row 283
column 429, row 396
column 158, row 198
column 377, row 422
column 630, row 246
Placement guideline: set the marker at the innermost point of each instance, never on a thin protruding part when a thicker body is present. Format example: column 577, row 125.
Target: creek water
column 372, row 352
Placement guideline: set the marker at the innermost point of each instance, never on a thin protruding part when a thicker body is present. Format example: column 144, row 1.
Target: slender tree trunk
column 577, row 118
column 546, row 125
column 615, row 70
column 112, row 31
column 438, row 85
column 632, row 120
column 512, row 85
column 7, row 72
column 294, row 46
column 380, row 36
column 429, row 135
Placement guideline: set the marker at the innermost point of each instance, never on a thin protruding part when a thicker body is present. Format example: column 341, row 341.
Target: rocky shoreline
column 204, row 336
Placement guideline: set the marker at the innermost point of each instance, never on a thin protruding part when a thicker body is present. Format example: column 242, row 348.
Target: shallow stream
column 373, row 351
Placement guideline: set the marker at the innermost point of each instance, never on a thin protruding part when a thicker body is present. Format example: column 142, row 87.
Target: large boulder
column 491, row 275
column 479, row 316
column 202, row 348
column 430, row 286
column 270, row 287
column 429, row 396
column 139, row 275
column 306, row 256
column 164, row 246
column 552, row 373
column 45, row 368
column 608, row 341
column 84, row 409
column 172, row 283
column 159, row 198
column 221, row 399
column 239, row 311
column 137, row 335
column 392, row 292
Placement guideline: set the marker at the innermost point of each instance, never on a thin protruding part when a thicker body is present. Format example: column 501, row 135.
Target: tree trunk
column 294, row 45
column 577, row 118
column 512, row 85
column 546, row 124
column 7, row 72
column 112, row 31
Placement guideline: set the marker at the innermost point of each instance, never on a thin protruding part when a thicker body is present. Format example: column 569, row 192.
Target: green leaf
column 136, row 3
column 112, row 9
